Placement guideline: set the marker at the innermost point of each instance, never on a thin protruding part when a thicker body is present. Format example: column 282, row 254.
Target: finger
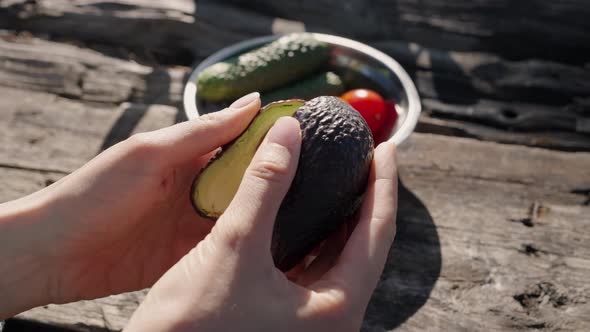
column 362, row 260
column 193, row 166
column 263, row 187
column 183, row 142
column 329, row 253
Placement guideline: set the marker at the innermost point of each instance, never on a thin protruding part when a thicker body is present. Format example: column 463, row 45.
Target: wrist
column 25, row 262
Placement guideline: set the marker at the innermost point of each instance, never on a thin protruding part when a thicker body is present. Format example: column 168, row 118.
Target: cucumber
column 323, row 84
column 284, row 60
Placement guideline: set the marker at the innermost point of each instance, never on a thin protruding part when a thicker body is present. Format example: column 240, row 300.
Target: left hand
column 118, row 223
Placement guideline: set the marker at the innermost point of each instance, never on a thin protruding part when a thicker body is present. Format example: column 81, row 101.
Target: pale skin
column 124, row 222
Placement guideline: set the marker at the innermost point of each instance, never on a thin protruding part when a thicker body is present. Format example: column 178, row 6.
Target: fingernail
column 285, row 132
column 245, row 100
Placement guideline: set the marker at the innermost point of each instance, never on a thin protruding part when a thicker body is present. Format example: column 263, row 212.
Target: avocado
column 219, row 181
column 284, row 60
column 322, row 84
column 331, row 177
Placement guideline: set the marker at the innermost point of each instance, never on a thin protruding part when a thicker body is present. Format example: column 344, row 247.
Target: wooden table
column 494, row 219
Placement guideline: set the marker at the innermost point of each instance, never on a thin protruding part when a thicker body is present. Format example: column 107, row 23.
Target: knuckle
column 206, row 121
column 337, row 304
column 385, row 181
column 271, row 170
column 233, row 237
column 141, row 143
column 143, row 150
column 273, row 164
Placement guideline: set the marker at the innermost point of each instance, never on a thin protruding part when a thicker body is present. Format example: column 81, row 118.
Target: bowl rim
column 414, row 105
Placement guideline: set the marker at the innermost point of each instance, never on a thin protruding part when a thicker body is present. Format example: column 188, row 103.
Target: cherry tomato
column 371, row 106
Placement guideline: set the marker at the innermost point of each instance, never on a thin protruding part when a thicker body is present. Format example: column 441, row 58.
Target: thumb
column 250, row 216
column 183, row 142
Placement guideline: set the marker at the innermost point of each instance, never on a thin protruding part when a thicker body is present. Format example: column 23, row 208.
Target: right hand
column 228, row 281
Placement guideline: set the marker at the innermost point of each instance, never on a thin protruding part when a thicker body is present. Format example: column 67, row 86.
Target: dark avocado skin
column 331, row 178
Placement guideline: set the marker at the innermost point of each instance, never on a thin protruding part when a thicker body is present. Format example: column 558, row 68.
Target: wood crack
column 34, row 169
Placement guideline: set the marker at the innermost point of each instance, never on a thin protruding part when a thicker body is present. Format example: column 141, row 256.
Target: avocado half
column 331, row 177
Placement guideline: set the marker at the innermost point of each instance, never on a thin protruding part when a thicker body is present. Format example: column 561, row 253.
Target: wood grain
column 491, row 237
column 552, row 31
column 542, row 71
column 463, row 258
column 34, row 64
column 537, row 29
column 46, row 132
column 106, row 314
column 18, row 182
column 455, row 88
column 558, row 140
column 487, row 74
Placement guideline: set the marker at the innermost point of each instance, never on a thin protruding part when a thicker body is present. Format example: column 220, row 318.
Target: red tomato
column 371, row 106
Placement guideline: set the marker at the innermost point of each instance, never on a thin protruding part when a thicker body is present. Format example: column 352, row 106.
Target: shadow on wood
column 124, row 126
column 412, row 268
column 158, row 83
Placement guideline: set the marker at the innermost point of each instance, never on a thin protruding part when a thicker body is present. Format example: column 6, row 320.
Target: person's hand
column 228, row 281
column 119, row 222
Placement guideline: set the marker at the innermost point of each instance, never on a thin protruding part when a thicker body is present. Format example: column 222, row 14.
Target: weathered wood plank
column 30, row 63
column 461, row 236
column 33, row 64
column 454, row 75
column 512, row 116
column 19, row 182
column 46, row 132
column 482, row 73
column 551, row 30
column 493, row 265
column 491, row 237
column 107, row 314
column 535, row 29
column 494, row 162
column 546, row 139
column 453, row 251
column 165, row 29
column 34, row 122
column 465, row 76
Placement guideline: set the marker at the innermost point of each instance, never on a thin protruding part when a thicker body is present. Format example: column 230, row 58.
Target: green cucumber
column 284, row 60
column 323, row 84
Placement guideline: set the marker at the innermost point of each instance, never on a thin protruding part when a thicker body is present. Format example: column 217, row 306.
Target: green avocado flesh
column 219, row 181
column 329, row 183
